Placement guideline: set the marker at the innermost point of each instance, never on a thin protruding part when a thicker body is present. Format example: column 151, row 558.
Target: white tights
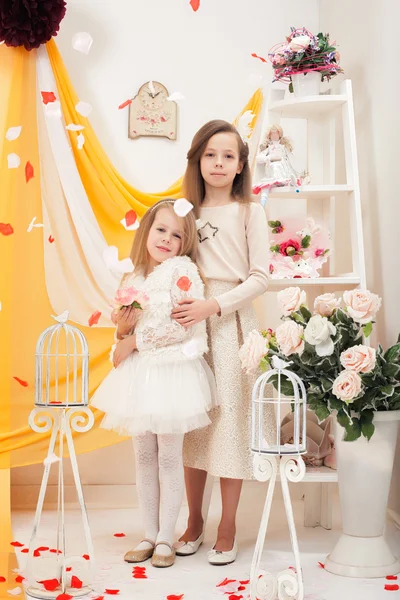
column 160, row 486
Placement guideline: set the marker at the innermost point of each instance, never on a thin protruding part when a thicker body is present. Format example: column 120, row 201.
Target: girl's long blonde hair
column 193, row 182
column 282, row 140
column 189, row 246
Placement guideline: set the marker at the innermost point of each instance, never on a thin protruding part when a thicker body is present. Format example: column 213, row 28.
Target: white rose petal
column 182, row 207
column 33, row 224
column 73, row 127
column 13, row 161
column 176, row 97
column 53, row 109
column 110, row 256
column 80, row 141
column 13, row 133
column 15, row 591
column 82, row 42
column 83, row 108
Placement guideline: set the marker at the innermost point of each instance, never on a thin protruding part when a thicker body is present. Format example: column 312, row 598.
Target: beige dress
column 233, row 258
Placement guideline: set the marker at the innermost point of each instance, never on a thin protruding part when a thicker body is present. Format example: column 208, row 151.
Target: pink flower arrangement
column 298, row 249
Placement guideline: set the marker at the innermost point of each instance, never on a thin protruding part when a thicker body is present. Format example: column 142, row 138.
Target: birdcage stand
column 61, row 418
column 269, row 463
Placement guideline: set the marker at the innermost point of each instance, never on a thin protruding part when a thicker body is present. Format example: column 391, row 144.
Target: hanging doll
column 275, row 157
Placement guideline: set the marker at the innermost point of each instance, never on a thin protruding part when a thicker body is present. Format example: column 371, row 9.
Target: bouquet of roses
column 327, row 352
column 303, row 52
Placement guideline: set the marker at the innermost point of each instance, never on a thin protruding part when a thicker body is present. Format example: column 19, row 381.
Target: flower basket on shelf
column 304, row 60
column 361, row 385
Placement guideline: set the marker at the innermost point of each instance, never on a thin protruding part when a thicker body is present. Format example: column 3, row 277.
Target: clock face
column 152, row 97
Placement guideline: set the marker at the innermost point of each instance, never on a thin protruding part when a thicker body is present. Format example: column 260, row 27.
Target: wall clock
column 151, row 114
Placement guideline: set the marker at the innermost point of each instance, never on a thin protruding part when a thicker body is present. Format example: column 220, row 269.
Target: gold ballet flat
column 136, row 556
column 163, row 561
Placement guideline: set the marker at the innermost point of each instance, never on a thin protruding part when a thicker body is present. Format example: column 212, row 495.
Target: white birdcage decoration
column 61, row 406
column 61, row 350
column 272, row 459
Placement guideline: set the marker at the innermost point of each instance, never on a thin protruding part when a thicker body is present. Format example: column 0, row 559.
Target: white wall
column 207, row 57
column 367, row 33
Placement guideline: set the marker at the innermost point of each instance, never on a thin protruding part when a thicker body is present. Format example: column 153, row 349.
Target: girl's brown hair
column 193, row 183
column 139, row 253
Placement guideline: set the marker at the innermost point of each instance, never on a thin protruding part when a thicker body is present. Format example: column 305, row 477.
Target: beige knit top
column 234, row 247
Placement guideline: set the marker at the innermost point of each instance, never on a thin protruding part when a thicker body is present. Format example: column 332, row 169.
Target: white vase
column 364, row 474
column 306, row 84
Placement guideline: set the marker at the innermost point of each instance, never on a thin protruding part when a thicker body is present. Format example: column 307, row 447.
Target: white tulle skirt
column 140, row 396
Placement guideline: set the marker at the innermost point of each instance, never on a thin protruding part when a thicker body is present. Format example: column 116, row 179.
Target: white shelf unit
column 322, row 114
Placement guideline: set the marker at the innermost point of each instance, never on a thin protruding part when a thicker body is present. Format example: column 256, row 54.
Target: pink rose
column 127, row 296
column 362, row 305
column 347, row 386
column 252, row 351
column 289, row 338
column 290, row 299
column 360, row 359
column 325, row 304
column 289, row 248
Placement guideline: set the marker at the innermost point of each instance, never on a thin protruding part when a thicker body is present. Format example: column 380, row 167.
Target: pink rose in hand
column 129, row 295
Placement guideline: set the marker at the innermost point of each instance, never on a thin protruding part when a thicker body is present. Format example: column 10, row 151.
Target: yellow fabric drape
column 25, row 306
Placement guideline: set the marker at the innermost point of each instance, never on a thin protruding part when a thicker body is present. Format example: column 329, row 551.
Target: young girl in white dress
column 160, row 387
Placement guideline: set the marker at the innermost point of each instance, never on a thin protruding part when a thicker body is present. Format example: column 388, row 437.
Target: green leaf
column 290, row 87
column 321, row 411
column 390, row 369
column 136, row 305
column 264, row 364
column 367, row 329
column 393, row 353
column 275, row 248
column 305, row 312
column 295, row 316
column 387, row 391
column 305, row 242
column 274, row 224
column 343, row 418
column 286, row 385
column 352, row 431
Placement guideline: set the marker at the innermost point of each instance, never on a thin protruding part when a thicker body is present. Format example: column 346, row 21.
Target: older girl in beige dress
column 233, row 251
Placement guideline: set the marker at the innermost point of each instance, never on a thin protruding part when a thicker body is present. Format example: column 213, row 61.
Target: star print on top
column 207, row 232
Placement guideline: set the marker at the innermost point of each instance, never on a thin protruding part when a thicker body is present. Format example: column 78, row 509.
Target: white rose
column 325, row 304
column 289, row 338
column 299, row 43
column 290, row 299
column 318, row 333
column 252, row 351
column 347, row 386
column 362, row 305
column 361, row 359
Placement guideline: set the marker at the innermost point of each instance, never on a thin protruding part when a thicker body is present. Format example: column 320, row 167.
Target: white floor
column 193, row 576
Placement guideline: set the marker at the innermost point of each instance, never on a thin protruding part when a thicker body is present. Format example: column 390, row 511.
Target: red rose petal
column 51, row 239
column 68, row 569
column 225, row 582
column 76, row 582
column 254, row 55
column 50, row 584
column 64, row 597
column 24, row 384
column 36, row 553
column 391, row 587
column 98, row 598
column 29, row 172
column 55, row 551
column 19, row 579
column 235, row 597
column 392, row 577
column 130, row 218
column 94, row 318
column 184, row 283
column 48, row 97
column 16, row 544
column 175, row 597
column 321, row 565
column 119, row 535
column 25, row 550
column 112, row 592
column 242, row 588
column 6, row 229
column 139, row 568
column 195, row 4
column 124, row 104
column 42, row 548
column 86, row 556
column 139, row 576
column 246, row 582
column 2, row 579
